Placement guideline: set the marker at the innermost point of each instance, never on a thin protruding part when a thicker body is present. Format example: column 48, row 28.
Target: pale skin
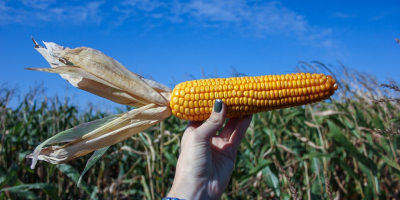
column 206, row 161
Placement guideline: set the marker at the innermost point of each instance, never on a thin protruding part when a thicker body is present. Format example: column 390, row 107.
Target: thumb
column 208, row 129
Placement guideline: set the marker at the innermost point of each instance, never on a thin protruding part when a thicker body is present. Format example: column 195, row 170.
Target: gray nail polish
column 218, row 105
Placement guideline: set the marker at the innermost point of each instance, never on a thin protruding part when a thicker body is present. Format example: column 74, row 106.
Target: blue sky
column 172, row 41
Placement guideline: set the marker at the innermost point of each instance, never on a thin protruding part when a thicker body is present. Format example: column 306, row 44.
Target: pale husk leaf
column 110, row 70
column 97, row 73
column 114, row 131
column 71, row 135
column 93, row 71
column 83, row 80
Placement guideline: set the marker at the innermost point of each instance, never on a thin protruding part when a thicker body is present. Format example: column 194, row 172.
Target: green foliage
column 350, row 138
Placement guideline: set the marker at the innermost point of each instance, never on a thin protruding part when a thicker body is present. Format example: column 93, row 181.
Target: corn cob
column 193, row 100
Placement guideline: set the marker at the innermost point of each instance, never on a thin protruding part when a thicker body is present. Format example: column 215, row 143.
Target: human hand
column 206, row 161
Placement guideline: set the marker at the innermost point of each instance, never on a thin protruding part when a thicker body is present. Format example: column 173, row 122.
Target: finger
column 228, row 129
column 214, row 122
column 240, row 130
column 192, row 125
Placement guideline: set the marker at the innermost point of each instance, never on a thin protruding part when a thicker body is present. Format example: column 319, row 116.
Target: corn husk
column 93, row 71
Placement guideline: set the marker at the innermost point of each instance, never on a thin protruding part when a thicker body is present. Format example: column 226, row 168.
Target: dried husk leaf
column 115, row 130
column 93, row 71
column 83, row 80
column 50, row 52
column 110, row 70
column 70, row 135
column 97, row 73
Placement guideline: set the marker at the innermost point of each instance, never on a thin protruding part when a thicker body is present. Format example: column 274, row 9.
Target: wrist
column 184, row 191
column 188, row 190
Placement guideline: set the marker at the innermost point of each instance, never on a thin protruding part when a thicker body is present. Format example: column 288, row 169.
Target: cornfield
column 346, row 147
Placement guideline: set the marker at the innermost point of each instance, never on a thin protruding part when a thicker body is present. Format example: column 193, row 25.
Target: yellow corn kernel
column 193, row 100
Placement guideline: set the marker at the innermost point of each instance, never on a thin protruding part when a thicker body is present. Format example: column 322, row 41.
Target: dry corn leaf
column 310, row 124
column 93, row 71
column 328, row 112
column 110, row 70
column 116, row 129
column 83, row 80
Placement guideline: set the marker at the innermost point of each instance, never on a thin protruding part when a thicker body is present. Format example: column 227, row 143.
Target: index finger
column 192, row 125
column 238, row 133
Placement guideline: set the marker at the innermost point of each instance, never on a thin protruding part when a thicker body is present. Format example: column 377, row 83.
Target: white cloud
column 256, row 17
column 342, row 15
column 263, row 18
column 89, row 11
column 382, row 15
column 146, row 5
column 269, row 17
column 223, row 11
column 34, row 11
column 274, row 18
column 40, row 4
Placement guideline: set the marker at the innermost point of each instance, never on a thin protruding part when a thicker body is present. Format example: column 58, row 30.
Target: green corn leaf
column 272, row 180
column 23, row 190
column 387, row 160
column 171, row 158
column 346, row 168
column 262, row 164
column 73, row 174
column 12, row 172
column 341, row 140
column 92, row 160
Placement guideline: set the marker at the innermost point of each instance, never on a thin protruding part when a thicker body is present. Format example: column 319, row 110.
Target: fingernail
column 218, row 105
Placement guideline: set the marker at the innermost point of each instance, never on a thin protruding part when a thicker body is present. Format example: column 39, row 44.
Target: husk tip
column 34, row 160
